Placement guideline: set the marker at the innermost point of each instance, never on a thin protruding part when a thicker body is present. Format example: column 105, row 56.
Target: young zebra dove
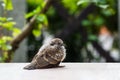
column 49, row 55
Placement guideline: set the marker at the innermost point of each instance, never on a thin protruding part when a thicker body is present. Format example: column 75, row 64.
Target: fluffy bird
column 49, row 55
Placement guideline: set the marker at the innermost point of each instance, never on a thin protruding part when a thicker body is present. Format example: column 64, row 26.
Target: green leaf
column 104, row 6
column 5, row 55
column 43, row 19
column 36, row 11
column 82, row 1
column 86, row 23
column 3, row 19
column 108, row 12
column 40, row 26
column 28, row 15
column 99, row 21
column 92, row 37
column 6, row 38
column 8, row 4
column 95, row 1
column 36, row 2
column 3, row 43
column 36, row 32
column 16, row 31
column 71, row 5
column 6, row 47
column 1, row 60
column 8, row 25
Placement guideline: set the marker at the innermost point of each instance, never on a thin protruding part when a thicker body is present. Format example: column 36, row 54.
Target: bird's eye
column 58, row 43
column 52, row 44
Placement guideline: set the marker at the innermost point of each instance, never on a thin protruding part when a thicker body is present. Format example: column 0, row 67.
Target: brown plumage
column 50, row 55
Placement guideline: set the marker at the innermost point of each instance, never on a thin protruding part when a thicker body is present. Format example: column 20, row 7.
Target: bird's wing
column 35, row 57
column 39, row 54
column 43, row 60
column 50, row 59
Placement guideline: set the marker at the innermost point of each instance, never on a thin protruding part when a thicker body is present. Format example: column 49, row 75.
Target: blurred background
column 89, row 29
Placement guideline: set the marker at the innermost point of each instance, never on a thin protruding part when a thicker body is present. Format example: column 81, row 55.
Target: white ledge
column 71, row 71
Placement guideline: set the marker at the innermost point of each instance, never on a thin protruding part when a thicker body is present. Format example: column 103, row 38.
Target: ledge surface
column 71, row 71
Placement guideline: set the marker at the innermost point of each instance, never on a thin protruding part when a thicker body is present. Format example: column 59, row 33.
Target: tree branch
column 102, row 52
column 25, row 32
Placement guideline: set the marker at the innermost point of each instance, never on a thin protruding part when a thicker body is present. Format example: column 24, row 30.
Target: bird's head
column 56, row 43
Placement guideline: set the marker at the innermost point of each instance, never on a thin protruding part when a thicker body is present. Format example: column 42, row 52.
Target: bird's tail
column 30, row 67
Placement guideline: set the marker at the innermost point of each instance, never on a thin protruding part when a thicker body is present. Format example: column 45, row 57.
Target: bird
column 50, row 55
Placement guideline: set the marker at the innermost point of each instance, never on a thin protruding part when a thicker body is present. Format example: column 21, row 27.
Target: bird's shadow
column 62, row 66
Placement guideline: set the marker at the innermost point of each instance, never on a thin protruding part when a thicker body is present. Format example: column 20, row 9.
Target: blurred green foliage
column 41, row 19
column 6, row 26
column 105, row 14
column 7, row 5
